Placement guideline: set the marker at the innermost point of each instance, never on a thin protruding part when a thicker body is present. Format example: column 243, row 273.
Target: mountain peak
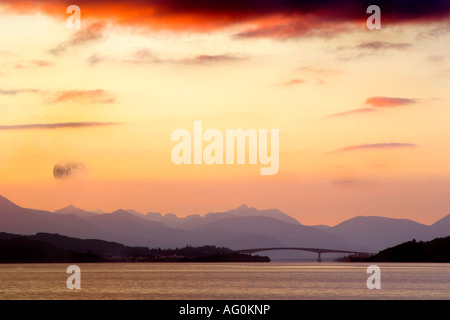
column 243, row 207
column 70, row 207
column 122, row 212
column 444, row 220
column 5, row 203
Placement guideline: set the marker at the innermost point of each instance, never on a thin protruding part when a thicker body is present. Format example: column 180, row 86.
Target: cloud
column 146, row 55
column 295, row 18
column 374, row 146
column 435, row 31
column 436, row 58
column 368, row 49
column 443, row 73
column 95, row 59
column 142, row 56
column 59, row 49
column 382, row 102
column 70, row 170
column 375, row 103
column 33, row 64
column 383, row 45
column 209, row 59
column 288, row 27
column 290, row 83
column 84, row 96
column 91, row 33
column 13, row 92
column 6, row 53
column 63, row 125
column 353, row 112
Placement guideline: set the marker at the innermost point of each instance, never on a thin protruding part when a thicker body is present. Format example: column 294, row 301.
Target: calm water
column 225, row 281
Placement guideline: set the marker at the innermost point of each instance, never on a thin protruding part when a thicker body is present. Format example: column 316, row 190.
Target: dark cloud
column 375, row 146
column 70, row 170
column 46, row 126
column 269, row 18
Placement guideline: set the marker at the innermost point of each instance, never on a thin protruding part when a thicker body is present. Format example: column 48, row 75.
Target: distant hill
column 440, row 228
column 18, row 220
column 436, row 250
column 380, row 233
column 76, row 211
column 55, row 248
column 131, row 229
column 272, row 232
column 21, row 249
column 241, row 228
column 195, row 221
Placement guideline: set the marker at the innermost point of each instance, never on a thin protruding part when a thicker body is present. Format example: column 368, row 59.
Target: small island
column 55, row 248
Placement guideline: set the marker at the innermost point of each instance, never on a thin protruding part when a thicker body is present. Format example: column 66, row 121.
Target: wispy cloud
column 374, row 146
column 217, row 58
column 63, row 125
column 443, row 73
column 382, row 102
column 375, row 103
column 288, row 27
column 33, row 64
column 13, row 92
column 146, row 55
column 91, row 33
column 384, row 45
column 84, row 96
column 95, row 59
column 437, row 30
column 352, row 112
column 142, row 56
column 369, row 49
column 290, row 83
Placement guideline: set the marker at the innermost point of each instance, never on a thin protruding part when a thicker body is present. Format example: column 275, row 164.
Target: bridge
column 319, row 251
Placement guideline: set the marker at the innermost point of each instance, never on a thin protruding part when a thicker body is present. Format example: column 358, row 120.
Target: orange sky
column 362, row 114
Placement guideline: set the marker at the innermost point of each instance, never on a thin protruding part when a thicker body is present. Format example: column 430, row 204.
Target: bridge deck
column 316, row 250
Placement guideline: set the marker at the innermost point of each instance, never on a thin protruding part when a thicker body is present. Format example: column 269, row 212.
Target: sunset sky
column 363, row 115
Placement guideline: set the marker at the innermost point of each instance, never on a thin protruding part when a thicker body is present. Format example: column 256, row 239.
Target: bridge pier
column 319, row 259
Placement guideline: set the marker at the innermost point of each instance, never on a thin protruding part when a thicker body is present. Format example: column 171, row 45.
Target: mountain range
column 241, row 228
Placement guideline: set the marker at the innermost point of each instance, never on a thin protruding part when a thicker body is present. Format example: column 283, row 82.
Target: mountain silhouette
column 76, row 211
column 240, row 228
column 436, row 250
column 379, row 233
